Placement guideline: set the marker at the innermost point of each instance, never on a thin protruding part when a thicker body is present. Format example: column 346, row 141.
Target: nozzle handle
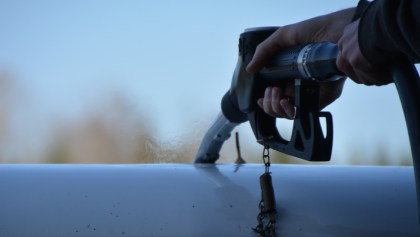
column 315, row 61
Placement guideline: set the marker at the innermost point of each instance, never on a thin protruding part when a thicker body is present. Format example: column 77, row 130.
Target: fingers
column 318, row 29
column 276, row 102
column 360, row 71
column 283, row 37
column 355, row 68
column 352, row 62
column 263, row 52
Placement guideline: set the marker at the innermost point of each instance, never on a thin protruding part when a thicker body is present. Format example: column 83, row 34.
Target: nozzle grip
column 282, row 67
column 315, row 61
column 308, row 140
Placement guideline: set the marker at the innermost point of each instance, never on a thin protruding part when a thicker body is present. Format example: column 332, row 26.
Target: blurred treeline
column 115, row 131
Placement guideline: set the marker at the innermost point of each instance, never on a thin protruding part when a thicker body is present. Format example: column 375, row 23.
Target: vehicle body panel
column 204, row 200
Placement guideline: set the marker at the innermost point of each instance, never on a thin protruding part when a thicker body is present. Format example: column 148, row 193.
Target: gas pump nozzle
column 306, row 66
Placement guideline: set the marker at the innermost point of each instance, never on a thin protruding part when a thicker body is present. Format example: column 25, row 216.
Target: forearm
column 327, row 27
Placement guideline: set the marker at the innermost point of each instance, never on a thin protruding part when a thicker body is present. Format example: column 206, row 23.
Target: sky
column 173, row 59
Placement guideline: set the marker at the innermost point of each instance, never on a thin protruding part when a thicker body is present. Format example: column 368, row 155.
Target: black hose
column 407, row 81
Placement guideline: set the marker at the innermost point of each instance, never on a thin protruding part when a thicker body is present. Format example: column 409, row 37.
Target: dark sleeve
column 390, row 30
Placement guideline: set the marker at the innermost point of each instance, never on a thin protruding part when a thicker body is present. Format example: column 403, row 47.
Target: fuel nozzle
column 305, row 65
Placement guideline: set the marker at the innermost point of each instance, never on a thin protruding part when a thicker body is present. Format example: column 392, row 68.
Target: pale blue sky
column 174, row 59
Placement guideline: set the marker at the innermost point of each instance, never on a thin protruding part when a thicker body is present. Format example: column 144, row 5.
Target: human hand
column 351, row 61
column 323, row 28
column 319, row 29
column 277, row 102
